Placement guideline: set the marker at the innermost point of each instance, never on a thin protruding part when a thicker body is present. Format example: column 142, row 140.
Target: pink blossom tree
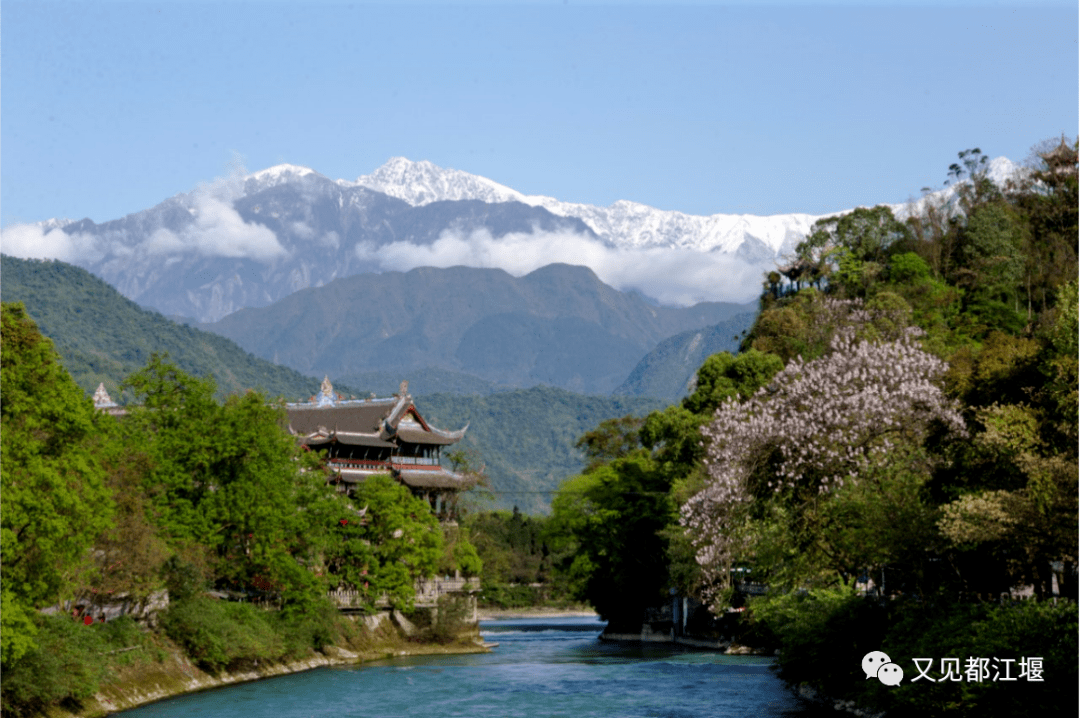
column 817, row 426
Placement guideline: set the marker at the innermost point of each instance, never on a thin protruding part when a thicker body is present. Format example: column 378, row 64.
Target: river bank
column 687, row 622
column 384, row 635
column 543, row 668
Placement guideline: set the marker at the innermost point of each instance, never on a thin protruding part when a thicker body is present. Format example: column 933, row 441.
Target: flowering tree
column 837, row 419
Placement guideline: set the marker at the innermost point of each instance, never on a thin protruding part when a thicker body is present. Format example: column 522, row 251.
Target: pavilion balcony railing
column 357, row 464
column 374, row 464
column 416, row 460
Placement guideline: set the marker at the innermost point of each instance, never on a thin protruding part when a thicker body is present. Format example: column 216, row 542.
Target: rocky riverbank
column 382, row 636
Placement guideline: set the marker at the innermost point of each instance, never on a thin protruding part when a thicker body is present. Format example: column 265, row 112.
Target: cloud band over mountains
column 671, row 276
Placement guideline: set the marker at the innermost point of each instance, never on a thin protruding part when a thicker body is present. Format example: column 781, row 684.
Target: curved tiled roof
column 435, row 436
column 368, row 422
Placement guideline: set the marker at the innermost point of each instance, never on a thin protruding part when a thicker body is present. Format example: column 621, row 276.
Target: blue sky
column 109, row 107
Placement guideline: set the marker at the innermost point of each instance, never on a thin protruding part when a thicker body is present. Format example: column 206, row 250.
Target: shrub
column 313, row 626
column 66, row 666
column 217, row 634
column 824, row 634
column 1026, row 629
column 453, row 616
column 908, row 267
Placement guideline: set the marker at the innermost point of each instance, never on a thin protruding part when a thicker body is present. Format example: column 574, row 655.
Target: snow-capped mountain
column 624, row 224
column 251, row 239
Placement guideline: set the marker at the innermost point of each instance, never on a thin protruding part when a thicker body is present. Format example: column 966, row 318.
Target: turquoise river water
column 541, row 667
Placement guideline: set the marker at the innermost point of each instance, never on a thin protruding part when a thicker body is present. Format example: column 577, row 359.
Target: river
column 541, row 667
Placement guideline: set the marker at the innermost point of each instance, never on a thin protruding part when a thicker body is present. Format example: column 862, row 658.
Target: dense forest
column 892, row 453
column 190, row 494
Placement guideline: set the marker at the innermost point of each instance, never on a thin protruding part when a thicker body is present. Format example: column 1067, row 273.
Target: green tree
column 724, row 376
column 1047, row 199
column 850, row 249
column 459, row 553
column 174, row 415
column 396, row 542
column 129, row 556
column 611, row 439
column 674, row 437
column 55, row 498
column 1060, row 363
column 615, row 516
column 514, row 547
column 229, row 477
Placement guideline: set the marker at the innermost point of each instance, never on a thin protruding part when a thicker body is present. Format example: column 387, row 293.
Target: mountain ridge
column 559, row 325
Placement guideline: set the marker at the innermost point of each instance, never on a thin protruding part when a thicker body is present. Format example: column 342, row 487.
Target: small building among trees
column 363, row 437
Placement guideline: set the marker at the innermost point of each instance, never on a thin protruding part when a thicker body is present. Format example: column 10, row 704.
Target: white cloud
column 302, row 230
column 218, row 230
column 163, row 241
column 31, row 241
column 671, row 276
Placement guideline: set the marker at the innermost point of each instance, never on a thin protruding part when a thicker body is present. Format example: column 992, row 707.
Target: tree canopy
column 55, row 498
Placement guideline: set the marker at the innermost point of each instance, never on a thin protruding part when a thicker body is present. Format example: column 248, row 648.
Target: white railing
column 415, row 460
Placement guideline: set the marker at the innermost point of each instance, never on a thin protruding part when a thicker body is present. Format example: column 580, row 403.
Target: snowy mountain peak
column 279, row 174
column 622, row 224
column 1002, row 169
column 423, row 182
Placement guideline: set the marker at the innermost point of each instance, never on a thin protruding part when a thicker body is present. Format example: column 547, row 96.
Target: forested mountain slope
column 669, row 370
column 103, row 337
column 559, row 325
column 526, row 438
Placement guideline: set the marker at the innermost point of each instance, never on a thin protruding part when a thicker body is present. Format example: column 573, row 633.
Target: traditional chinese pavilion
column 364, row 437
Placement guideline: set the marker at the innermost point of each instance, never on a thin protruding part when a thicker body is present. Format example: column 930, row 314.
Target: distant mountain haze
column 525, row 438
column 558, row 326
column 249, row 240
column 670, row 370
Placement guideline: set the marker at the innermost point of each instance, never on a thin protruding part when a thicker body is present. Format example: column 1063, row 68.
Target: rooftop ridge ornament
column 102, row 400
column 326, row 396
column 404, row 388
